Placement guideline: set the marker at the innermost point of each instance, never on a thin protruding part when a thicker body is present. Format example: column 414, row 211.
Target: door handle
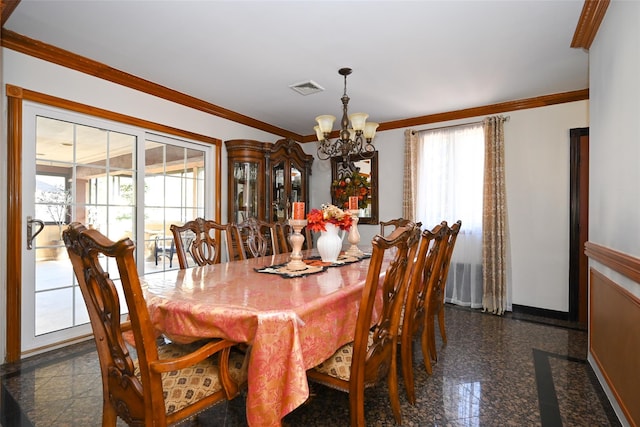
column 30, row 234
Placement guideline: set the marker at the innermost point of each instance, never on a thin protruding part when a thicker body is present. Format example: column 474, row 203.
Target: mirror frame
column 355, row 158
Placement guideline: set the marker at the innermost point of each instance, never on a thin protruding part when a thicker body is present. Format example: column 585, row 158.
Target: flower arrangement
column 352, row 185
column 318, row 218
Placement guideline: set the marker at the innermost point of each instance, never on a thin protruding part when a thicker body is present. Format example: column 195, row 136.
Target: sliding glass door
column 120, row 180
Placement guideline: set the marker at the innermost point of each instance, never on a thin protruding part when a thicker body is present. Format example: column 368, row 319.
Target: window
column 450, row 187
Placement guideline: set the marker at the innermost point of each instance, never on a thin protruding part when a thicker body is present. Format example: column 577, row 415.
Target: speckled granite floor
column 495, row 371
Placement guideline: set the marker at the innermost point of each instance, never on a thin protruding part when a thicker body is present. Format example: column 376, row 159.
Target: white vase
column 329, row 243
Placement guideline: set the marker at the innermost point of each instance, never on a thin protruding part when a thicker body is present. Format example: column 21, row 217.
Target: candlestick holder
column 354, row 235
column 296, row 239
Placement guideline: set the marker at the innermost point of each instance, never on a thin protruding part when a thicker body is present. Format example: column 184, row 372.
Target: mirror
column 356, row 176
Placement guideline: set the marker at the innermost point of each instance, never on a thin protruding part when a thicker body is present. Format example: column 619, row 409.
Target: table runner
column 314, row 265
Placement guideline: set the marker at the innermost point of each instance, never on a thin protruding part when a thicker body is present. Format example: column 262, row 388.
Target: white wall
column 614, row 139
column 537, row 175
column 614, row 205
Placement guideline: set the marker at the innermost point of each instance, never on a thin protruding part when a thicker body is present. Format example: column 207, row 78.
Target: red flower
column 317, row 219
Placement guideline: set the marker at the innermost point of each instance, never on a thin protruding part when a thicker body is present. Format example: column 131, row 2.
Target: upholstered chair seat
column 184, row 387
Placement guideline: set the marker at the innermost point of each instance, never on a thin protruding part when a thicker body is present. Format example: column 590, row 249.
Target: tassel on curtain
column 410, row 178
column 494, row 219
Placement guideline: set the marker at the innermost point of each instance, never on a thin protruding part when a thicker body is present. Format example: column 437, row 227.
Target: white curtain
column 450, row 187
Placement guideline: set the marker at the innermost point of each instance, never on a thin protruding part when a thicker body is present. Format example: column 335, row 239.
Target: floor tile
column 494, row 371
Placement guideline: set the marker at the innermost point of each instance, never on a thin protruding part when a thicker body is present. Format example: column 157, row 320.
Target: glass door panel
column 79, row 168
column 245, row 177
column 84, row 173
column 174, row 193
column 296, row 185
column 280, row 198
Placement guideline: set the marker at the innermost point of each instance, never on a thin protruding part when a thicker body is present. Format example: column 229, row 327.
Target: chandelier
column 354, row 140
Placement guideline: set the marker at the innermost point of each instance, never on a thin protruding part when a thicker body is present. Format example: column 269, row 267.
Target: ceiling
column 409, row 58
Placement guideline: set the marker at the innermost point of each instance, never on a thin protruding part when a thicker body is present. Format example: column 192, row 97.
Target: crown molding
column 46, row 52
column 590, row 19
column 486, row 110
column 6, row 9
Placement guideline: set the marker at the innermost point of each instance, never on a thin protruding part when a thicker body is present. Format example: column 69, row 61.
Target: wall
column 537, row 175
column 537, row 158
column 40, row 76
column 614, row 205
column 615, row 133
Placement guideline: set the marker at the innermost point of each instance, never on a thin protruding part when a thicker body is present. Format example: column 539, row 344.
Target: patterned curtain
column 409, row 186
column 494, row 219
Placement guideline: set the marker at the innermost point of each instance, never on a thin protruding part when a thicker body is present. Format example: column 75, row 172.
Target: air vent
column 307, row 88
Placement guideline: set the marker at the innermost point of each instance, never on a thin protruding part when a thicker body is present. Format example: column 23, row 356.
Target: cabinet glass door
column 280, row 196
column 296, row 185
column 245, row 186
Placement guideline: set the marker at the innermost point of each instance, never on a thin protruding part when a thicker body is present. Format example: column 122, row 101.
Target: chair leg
column 356, row 408
column 406, row 354
column 432, row 338
column 393, row 388
column 425, row 341
column 443, row 332
column 109, row 416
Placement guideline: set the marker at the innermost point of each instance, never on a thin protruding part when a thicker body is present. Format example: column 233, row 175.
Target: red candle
column 353, row 203
column 298, row 210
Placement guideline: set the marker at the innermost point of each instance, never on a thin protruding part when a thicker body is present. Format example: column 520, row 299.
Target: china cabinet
column 265, row 178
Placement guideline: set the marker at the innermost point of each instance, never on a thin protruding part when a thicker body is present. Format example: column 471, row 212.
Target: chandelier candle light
column 354, row 140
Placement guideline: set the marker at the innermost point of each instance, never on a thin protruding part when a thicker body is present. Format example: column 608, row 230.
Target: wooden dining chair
column 147, row 384
column 385, row 226
column 424, row 273
column 252, row 238
column 371, row 356
column 436, row 305
column 201, row 239
column 161, row 248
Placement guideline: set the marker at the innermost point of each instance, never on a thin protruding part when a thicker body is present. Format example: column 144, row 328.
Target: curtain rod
column 505, row 118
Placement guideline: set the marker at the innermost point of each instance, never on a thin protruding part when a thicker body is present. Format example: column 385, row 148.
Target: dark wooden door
column 579, row 225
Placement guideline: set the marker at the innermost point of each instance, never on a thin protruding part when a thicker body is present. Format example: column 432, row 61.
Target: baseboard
column 540, row 312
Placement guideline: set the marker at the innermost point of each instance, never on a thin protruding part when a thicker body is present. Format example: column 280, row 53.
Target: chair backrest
column 252, row 238
column 201, row 238
column 424, row 274
column 438, row 292
column 395, row 223
column 132, row 398
column 371, row 363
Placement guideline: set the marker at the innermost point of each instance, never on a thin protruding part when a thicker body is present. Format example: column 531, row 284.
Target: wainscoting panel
column 615, row 341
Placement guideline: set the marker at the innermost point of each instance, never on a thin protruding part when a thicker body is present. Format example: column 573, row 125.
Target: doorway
column 116, row 178
column 579, row 225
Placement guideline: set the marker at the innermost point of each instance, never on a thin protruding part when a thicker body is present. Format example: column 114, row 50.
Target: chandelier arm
column 344, row 146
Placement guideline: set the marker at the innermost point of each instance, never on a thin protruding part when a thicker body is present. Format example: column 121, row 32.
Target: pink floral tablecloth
column 292, row 324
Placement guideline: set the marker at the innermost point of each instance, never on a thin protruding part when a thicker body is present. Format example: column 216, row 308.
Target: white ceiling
column 409, row 58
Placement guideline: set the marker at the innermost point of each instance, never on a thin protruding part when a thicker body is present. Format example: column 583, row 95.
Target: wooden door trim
column 576, row 244
column 14, row 224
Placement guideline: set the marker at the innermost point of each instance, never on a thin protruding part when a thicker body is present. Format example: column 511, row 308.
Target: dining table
column 290, row 324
